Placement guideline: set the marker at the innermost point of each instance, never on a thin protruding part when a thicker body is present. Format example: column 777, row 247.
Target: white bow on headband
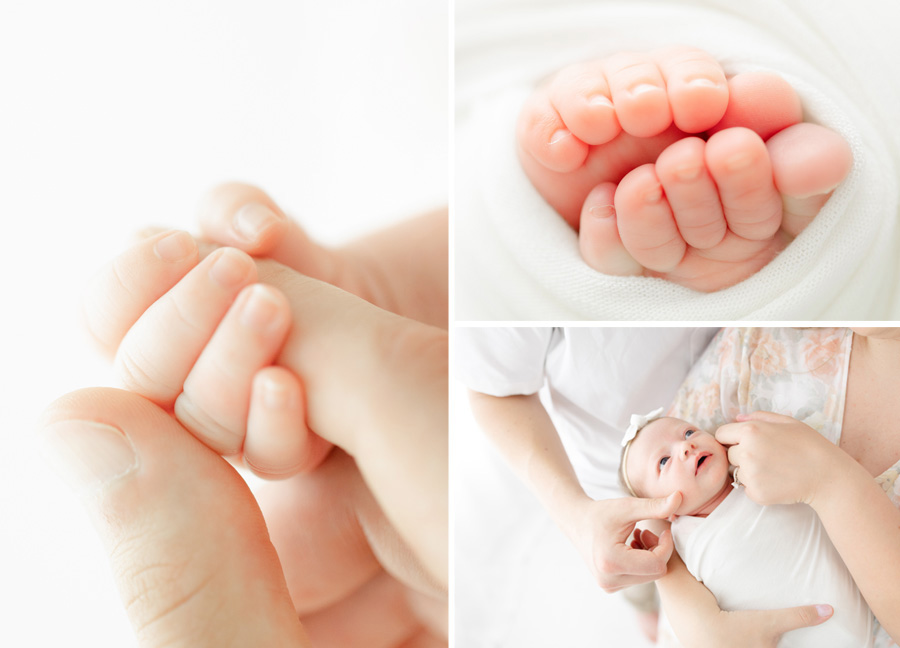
column 638, row 421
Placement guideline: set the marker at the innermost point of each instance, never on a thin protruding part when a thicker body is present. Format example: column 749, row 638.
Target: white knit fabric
column 517, row 259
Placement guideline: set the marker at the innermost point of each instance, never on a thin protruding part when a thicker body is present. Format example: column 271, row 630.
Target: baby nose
column 686, row 448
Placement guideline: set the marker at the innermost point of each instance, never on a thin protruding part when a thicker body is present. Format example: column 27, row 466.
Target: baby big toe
column 598, row 237
column 692, row 194
column 696, row 85
column 808, row 162
column 645, row 221
column 739, row 163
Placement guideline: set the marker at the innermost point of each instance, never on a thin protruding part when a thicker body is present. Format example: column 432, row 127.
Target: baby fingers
column 161, row 346
column 215, row 401
column 278, row 442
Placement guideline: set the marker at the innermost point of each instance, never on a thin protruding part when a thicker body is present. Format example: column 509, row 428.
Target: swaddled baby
column 749, row 556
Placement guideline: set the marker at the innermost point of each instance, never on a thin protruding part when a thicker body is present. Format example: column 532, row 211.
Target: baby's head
column 664, row 455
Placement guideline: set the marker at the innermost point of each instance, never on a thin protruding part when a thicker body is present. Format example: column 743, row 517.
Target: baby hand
column 204, row 347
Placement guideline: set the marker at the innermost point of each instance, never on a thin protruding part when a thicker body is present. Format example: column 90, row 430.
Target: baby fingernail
column 275, row 395
column 260, row 310
column 87, row 454
column 252, row 220
column 230, row 268
column 174, row 247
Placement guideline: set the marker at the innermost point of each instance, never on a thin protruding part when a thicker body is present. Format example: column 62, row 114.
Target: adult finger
column 245, row 217
column 117, row 296
column 658, row 508
column 186, row 540
column 766, row 417
column 376, row 385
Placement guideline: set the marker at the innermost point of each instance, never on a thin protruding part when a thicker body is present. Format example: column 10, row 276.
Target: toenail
column 175, row 247
column 602, row 211
column 687, row 173
column 260, row 310
column 654, row 195
column 600, row 100
column 642, row 88
column 702, row 82
column 230, row 269
column 559, row 135
column 739, row 162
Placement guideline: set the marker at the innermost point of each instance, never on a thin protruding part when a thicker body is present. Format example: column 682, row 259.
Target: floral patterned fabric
column 796, row 372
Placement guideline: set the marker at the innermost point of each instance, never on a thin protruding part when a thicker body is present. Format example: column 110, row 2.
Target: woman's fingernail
column 175, row 246
column 824, row 611
column 251, row 220
column 87, row 455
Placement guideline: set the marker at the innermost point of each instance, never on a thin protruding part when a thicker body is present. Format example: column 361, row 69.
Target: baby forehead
column 664, row 425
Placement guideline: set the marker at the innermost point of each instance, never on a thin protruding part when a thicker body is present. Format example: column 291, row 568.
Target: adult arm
column 694, row 615
column 861, row 521
column 522, row 430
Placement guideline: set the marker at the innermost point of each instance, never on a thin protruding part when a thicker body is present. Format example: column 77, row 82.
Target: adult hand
column 603, row 538
column 188, row 545
column 333, row 539
column 697, row 620
column 778, row 459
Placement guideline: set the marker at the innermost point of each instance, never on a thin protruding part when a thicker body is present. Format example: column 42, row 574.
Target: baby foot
column 598, row 122
column 708, row 214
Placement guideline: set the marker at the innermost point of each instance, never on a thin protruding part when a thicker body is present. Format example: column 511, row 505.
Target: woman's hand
column 778, row 459
column 694, row 613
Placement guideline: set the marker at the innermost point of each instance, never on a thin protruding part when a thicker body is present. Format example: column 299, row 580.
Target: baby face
column 671, row 455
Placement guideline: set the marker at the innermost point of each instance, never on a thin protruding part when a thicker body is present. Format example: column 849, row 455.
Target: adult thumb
column 657, row 508
column 187, row 543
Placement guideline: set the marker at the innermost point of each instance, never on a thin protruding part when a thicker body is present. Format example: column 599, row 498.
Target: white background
column 116, row 115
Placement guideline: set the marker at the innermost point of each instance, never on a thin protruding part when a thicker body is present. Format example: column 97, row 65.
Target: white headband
column 638, row 422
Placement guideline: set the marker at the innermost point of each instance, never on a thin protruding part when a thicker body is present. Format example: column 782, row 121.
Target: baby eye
column 689, row 433
column 663, row 462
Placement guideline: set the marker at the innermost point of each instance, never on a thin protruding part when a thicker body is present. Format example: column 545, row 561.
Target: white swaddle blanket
column 754, row 557
column 516, row 259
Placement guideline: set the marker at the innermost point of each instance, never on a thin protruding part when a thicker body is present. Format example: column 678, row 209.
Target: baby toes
column 739, row 163
column 692, row 194
column 543, row 136
column 696, row 86
column 581, row 96
column 638, row 92
column 598, row 237
column 646, row 223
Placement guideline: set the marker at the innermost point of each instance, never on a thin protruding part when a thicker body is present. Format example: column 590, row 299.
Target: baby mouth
column 700, row 462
